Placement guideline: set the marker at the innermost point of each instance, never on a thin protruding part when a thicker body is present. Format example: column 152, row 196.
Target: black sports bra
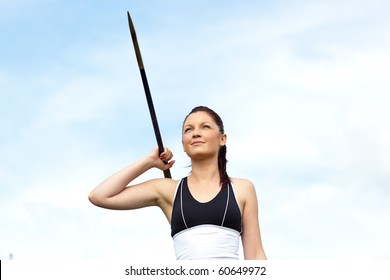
column 222, row 210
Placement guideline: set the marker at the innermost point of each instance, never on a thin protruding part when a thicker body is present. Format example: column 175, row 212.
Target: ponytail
column 224, row 178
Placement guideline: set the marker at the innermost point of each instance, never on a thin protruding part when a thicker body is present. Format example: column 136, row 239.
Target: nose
column 195, row 133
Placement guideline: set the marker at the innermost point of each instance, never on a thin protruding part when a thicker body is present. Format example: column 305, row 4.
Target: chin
column 200, row 155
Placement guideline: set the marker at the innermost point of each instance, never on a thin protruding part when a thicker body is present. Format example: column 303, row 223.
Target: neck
column 205, row 170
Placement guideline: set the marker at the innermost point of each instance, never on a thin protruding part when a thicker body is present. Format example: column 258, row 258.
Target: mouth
column 195, row 143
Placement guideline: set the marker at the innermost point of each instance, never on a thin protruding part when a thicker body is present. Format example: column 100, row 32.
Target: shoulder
column 163, row 184
column 245, row 190
column 165, row 187
column 242, row 185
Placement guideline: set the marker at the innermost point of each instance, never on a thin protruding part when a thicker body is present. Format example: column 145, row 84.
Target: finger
column 166, row 159
column 167, row 154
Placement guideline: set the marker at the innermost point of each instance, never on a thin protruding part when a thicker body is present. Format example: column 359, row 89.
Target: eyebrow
column 190, row 124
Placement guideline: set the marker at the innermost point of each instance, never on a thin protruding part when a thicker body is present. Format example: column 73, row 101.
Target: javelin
column 167, row 173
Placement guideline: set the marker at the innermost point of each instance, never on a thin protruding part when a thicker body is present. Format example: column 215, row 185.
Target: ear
column 222, row 140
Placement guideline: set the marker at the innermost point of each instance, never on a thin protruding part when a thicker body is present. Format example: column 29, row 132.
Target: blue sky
column 302, row 87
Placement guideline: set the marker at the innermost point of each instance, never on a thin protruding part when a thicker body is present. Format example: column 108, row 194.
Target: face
column 201, row 136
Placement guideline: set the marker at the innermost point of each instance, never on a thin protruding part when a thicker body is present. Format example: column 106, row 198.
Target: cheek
column 184, row 140
column 186, row 137
column 184, row 145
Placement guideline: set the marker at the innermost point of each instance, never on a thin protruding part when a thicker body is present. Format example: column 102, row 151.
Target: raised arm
column 115, row 192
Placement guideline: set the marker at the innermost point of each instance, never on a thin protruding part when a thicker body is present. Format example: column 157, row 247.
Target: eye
column 187, row 129
column 206, row 126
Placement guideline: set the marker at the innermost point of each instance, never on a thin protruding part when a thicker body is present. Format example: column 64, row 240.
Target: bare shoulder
column 244, row 190
column 162, row 185
column 243, row 185
column 166, row 188
column 163, row 182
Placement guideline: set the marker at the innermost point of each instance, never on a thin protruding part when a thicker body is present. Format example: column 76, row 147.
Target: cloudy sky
column 302, row 87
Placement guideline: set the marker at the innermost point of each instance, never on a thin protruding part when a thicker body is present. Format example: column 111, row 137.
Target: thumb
column 169, row 164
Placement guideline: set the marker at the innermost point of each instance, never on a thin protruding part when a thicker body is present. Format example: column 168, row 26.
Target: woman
column 208, row 211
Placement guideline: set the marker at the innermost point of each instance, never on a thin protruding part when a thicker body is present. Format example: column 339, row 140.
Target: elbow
column 98, row 199
column 93, row 198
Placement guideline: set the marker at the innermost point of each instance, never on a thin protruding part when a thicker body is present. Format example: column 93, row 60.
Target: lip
column 196, row 143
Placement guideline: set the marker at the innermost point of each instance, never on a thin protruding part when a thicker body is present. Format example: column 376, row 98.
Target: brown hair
column 222, row 161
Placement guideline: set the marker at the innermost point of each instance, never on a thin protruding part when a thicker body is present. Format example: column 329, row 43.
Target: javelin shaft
column 167, row 173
